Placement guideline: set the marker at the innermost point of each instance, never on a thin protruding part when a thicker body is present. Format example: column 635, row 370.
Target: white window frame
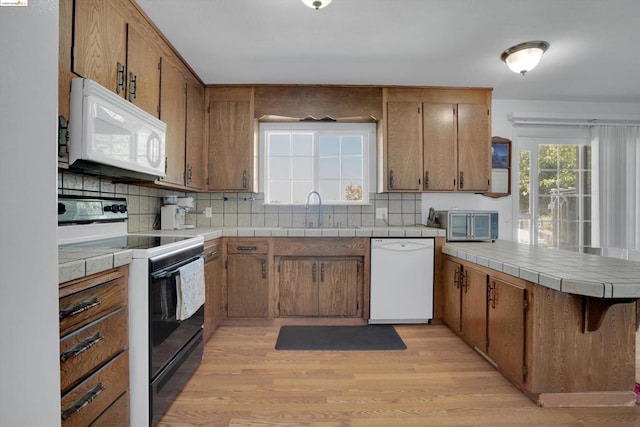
column 369, row 154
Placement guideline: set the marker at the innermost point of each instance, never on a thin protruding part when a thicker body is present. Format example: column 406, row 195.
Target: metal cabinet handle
column 188, row 174
column 132, row 86
column 464, row 282
column 426, row 179
column 264, row 269
column 314, row 272
column 82, row 346
column 212, row 253
column 322, row 272
column 79, row 308
column 456, row 279
column 119, row 78
column 461, row 180
column 492, row 295
column 245, row 179
column 87, row 398
column 390, row 179
column 247, row 248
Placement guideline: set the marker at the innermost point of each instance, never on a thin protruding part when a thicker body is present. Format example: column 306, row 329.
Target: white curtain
column 619, row 190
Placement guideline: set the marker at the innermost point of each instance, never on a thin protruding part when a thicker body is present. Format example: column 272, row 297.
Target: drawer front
column 116, row 415
column 211, row 250
column 84, row 403
column 89, row 347
column 87, row 305
column 248, row 247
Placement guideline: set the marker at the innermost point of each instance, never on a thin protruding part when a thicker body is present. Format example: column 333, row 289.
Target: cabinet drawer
column 90, row 398
column 248, row 247
column 89, row 347
column 82, row 307
column 116, row 414
column 211, row 250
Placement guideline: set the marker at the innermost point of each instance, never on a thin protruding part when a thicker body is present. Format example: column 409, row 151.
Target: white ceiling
column 594, row 53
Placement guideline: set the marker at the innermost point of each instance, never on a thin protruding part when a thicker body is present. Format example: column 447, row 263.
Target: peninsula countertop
column 565, row 271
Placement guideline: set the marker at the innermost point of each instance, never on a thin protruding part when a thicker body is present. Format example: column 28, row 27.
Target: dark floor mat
column 372, row 337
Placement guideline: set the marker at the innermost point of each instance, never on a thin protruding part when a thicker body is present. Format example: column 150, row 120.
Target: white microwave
column 469, row 225
column 112, row 137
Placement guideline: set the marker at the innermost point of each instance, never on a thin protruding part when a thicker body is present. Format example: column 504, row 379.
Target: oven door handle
column 167, row 272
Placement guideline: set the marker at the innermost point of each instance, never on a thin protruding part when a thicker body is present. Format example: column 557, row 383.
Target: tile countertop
column 76, row 263
column 565, row 271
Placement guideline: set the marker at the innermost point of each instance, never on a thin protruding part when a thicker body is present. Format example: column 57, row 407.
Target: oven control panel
column 87, row 209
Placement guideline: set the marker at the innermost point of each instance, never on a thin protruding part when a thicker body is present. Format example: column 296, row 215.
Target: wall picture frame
column 500, row 153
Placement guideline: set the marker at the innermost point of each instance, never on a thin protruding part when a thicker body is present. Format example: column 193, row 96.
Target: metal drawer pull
column 264, row 269
column 322, row 272
column 82, row 346
column 247, row 248
column 79, row 308
column 212, row 253
column 314, row 272
column 83, row 401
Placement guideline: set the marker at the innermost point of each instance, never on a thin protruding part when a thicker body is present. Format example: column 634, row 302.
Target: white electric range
column 163, row 352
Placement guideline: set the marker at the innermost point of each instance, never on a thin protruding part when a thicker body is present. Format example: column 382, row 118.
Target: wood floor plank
column 437, row 381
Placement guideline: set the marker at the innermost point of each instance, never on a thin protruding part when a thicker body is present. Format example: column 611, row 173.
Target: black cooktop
column 127, row 242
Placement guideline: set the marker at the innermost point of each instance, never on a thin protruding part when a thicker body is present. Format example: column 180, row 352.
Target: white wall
column 501, row 126
column 29, row 361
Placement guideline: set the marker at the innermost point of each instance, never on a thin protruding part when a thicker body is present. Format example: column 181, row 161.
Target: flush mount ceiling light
column 317, row 4
column 524, row 56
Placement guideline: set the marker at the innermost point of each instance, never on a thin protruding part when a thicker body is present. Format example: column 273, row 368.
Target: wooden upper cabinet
column 100, row 44
column 143, row 73
column 173, row 110
column 474, row 147
column 440, row 146
column 404, row 146
column 195, row 175
column 231, row 147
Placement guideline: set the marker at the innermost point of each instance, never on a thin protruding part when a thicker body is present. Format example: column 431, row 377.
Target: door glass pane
column 525, row 187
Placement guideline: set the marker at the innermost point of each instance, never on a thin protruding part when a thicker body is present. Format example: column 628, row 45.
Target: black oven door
column 167, row 335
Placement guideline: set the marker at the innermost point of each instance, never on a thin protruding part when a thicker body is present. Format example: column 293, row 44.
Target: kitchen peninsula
column 559, row 325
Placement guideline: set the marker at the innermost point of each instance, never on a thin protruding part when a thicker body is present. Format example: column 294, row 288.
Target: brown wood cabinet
column 247, row 287
column 196, row 144
column 451, row 294
column 173, row 111
column 143, row 73
column 94, row 356
column 231, row 139
column 437, row 139
column 213, row 306
column 325, row 286
column 473, row 313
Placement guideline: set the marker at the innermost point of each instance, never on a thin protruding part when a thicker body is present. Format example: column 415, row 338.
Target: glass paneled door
column 555, row 194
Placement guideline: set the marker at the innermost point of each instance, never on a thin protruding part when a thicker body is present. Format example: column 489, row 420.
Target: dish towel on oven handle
column 190, row 289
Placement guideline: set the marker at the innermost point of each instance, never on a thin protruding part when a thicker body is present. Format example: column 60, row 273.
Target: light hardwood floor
column 437, row 381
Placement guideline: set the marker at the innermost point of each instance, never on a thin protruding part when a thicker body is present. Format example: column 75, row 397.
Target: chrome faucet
column 306, row 205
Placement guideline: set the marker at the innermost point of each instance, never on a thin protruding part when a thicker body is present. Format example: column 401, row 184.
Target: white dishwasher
column 401, row 280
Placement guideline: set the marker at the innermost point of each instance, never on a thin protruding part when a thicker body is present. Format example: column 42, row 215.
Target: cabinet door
column 143, row 73
column 451, row 292
column 506, row 323
column 213, row 288
column 298, row 287
column 473, row 320
column 440, row 146
column 99, row 44
column 247, row 285
column 195, row 143
column 474, row 147
column 230, row 146
column 338, row 287
column 404, row 146
column 173, row 107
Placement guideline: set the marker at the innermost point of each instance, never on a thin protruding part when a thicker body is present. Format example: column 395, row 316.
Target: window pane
column 329, row 145
column 279, row 192
column 568, row 156
column 351, row 168
column 279, row 168
column 524, row 231
column 547, row 156
column 300, row 191
column 302, row 168
column 329, row 168
column 330, row 190
column 352, row 145
column 525, row 189
column 302, row 144
column 279, row 144
column 568, row 181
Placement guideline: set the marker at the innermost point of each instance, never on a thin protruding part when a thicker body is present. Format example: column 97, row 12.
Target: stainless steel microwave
column 469, row 225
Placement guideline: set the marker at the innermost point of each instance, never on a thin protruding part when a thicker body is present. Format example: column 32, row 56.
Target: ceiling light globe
column 317, row 4
column 524, row 57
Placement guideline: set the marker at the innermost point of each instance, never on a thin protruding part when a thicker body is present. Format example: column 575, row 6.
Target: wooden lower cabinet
column 319, row 286
column 452, row 297
column 247, row 288
column 473, row 314
column 94, row 355
column 213, row 305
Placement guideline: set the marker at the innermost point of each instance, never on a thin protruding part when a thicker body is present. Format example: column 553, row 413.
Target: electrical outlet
column 381, row 213
column 208, row 213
